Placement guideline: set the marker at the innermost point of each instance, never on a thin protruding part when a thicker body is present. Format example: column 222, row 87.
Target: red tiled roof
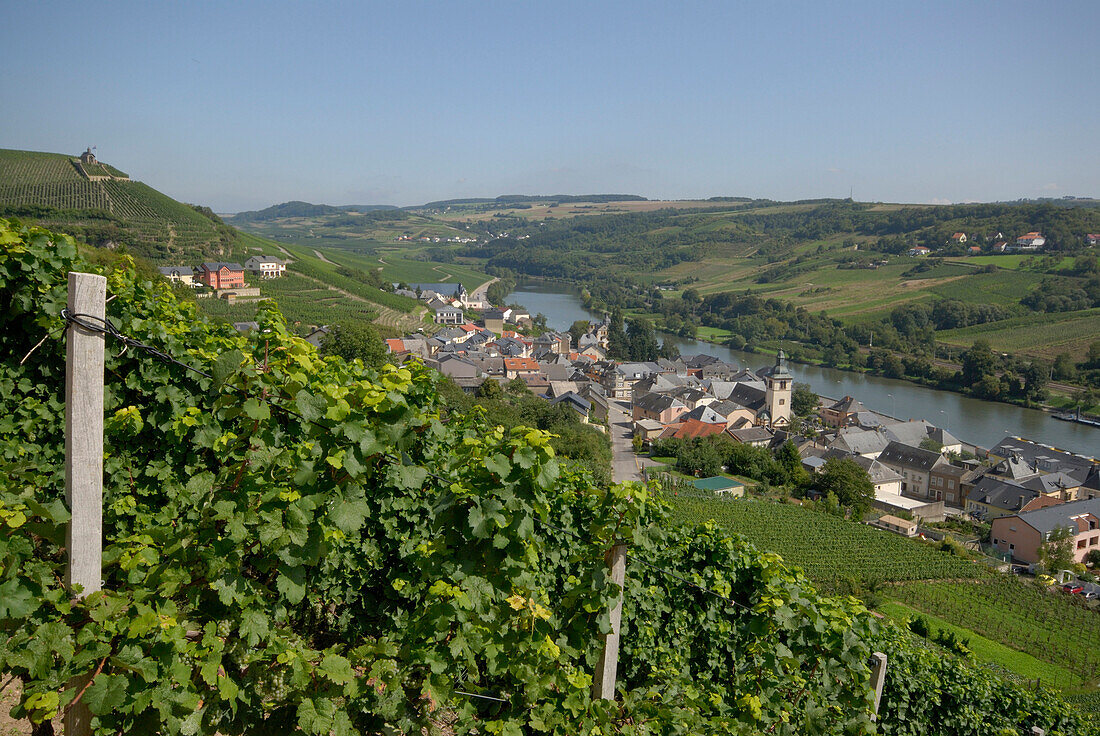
column 695, row 428
column 513, row 364
column 395, row 345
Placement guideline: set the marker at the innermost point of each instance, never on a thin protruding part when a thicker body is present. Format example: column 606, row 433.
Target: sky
column 240, row 105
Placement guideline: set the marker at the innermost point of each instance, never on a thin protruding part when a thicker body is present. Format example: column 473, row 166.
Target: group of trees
column 842, row 482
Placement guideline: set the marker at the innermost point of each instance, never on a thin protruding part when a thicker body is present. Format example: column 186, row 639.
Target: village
column 921, row 473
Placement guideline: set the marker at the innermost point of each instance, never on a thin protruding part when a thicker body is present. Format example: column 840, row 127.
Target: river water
column 982, row 423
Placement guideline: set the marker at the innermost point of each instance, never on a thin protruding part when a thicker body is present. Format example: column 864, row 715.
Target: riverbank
column 981, row 422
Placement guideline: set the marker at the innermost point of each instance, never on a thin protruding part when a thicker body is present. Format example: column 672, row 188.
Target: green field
column 1041, row 335
column 1018, row 663
column 828, row 548
column 1049, row 625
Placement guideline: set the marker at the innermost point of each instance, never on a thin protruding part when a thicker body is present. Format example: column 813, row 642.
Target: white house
column 266, row 267
column 1029, row 241
column 180, row 274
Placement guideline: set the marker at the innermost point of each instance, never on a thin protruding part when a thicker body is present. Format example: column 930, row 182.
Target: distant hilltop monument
column 88, row 157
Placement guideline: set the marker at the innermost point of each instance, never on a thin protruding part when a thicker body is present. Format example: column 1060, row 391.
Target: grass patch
column 987, row 650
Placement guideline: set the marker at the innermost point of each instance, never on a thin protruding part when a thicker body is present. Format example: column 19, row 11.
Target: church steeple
column 779, row 385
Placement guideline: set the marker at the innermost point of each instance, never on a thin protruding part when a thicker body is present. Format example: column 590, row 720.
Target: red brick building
column 222, row 275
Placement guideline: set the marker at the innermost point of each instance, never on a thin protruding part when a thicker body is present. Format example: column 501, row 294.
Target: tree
column 577, row 330
column 1064, row 367
column 641, row 340
column 353, row 340
column 1093, row 558
column 978, row 363
column 804, row 401
column 1035, row 380
column 1092, row 359
column 1056, row 553
column 489, row 389
column 850, row 483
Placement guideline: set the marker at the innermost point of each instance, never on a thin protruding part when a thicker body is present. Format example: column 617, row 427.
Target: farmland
column 1042, row 335
column 828, row 548
column 1025, row 629
column 1049, row 625
column 49, row 189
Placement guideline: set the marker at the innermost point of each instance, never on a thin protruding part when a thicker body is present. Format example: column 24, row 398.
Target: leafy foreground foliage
column 278, row 559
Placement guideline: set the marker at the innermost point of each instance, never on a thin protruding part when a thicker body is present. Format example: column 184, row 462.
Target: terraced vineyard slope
column 54, row 189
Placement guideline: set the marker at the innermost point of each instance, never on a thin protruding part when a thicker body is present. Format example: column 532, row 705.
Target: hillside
column 300, row 545
column 55, row 190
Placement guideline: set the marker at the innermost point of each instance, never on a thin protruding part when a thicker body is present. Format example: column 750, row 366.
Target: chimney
column 1021, row 502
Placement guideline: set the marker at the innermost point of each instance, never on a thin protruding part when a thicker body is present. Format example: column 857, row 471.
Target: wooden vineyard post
column 878, row 679
column 603, row 681
column 84, row 455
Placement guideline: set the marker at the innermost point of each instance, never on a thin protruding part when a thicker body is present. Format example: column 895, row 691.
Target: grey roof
column 724, row 408
column 1046, row 520
column 1002, row 494
column 748, row 396
column 751, row 434
column 448, row 289
column 1051, row 483
column 576, row 400
column 637, row 370
column 492, row 314
column 897, row 453
column 914, row 432
column 657, row 402
column 246, row 326
column 1048, row 458
column 848, row 405
column 173, row 270
column 860, row 441
column 878, row 472
column 704, row 414
column 649, row 424
column 217, row 265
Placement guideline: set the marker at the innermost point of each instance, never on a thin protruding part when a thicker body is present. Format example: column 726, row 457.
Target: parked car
column 1073, row 588
column 1089, row 594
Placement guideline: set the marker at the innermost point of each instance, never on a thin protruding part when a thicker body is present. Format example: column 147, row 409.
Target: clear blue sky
column 240, row 105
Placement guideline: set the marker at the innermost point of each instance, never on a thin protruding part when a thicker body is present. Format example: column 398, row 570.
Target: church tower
column 779, row 385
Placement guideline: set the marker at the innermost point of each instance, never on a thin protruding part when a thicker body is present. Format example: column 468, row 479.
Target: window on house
column 1011, row 547
column 950, row 496
column 1094, row 541
column 782, row 401
column 1080, row 544
column 951, row 484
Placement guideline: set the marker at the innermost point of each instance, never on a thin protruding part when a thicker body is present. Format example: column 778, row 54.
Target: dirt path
column 322, row 258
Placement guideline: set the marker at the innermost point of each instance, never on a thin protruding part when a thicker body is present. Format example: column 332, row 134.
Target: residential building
column 991, row 498
column 957, row 238
column 493, row 320
column 692, row 429
column 660, row 407
column 516, row 367
column 445, row 314
column 1029, row 241
column 221, row 275
column 915, row 467
column 178, row 274
column 854, row 441
column 1092, row 239
column 919, row 250
column 842, row 413
column 755, row 436
column 1021, row 535
column 266, row 267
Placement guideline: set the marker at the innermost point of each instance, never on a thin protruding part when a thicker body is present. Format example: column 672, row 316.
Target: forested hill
column 298, row 208
column 103, row 207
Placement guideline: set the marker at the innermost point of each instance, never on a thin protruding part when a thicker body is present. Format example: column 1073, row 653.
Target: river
column 984, row 423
